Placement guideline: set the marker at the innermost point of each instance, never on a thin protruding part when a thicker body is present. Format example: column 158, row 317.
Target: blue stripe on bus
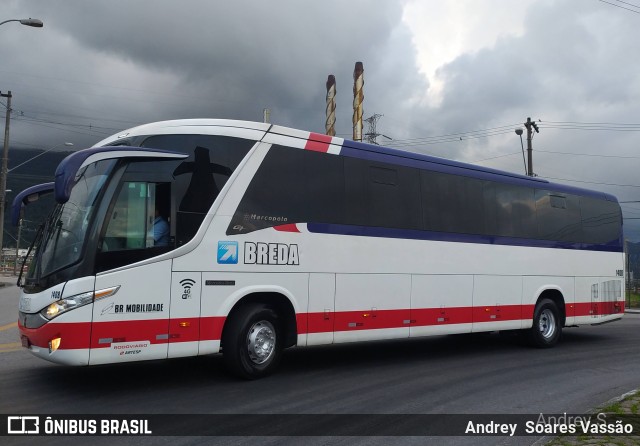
column 365, row 231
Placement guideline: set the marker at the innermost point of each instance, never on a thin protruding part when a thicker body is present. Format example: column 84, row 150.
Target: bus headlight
column 63, row 305
column 71, row 302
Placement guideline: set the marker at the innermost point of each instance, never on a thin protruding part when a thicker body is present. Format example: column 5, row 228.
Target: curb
column 548, row 439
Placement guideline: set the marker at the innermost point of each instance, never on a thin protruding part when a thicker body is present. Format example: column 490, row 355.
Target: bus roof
column 356, row 149
column 168, row 127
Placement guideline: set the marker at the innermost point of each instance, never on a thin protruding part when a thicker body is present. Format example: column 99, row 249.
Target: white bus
column 280, row 237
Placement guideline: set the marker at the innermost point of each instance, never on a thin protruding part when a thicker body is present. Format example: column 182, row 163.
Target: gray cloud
column 112, row 65
column 238, row 57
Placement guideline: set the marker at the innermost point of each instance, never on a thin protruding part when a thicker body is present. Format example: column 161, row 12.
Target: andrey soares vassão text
column 551, row 424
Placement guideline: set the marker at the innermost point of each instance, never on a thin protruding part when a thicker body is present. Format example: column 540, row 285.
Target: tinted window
column 452, row 203
column 298, row 186
column 382, row 195
column 601, row 220
column 558, row 216
column 197, row 181
column 292, row 186
column 515, row 210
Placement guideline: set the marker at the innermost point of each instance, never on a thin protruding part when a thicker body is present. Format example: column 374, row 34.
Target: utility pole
column 3, row 169
column 529, row 125
column 15, row 264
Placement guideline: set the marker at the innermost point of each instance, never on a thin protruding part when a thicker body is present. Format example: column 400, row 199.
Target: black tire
column 252, row 341
column 547, row 325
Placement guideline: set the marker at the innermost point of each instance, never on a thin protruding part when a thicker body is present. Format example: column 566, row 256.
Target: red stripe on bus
column 370, row 319
column 599, row 308
column 499, row 313
column 130, row 331
column 317, row 323
column 318, row 142
column 421, row 317
column 78, row 335
column 73, row 335
column 211, row 328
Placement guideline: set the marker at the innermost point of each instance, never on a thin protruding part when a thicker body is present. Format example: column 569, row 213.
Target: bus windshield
column 64, row 232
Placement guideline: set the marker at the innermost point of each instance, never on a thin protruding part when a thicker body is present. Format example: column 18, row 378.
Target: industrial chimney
column 331, row 106
column 358, row 98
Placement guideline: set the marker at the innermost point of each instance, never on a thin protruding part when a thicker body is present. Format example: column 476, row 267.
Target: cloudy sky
column 453, row 78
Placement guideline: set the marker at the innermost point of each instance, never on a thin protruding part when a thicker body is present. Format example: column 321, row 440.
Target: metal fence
column 8, row 264
column 632, row 297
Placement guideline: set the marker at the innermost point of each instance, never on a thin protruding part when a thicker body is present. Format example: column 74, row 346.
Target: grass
column 633, row 300
column 629, row 405
column 613, row 408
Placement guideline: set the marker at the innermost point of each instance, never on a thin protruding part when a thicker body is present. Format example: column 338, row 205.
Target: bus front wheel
column 547, row 326
column 252, row 342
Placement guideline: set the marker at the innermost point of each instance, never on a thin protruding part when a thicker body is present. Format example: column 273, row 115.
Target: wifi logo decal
column 187, row 284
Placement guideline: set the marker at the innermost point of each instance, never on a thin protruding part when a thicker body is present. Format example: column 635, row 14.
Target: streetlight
column 35, row 23
column 28, row 22
column 519, row 132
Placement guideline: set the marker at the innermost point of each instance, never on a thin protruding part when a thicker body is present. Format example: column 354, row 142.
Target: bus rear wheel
column 252, row 342
column 547, row 326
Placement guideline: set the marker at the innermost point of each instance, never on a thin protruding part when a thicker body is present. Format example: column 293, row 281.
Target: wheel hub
column 547, row 324
column 261, row 342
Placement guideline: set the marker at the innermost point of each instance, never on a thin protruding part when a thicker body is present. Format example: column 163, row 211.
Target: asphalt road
column 466, row 374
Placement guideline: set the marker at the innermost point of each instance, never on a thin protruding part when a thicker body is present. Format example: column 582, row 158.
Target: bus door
column 132, row 323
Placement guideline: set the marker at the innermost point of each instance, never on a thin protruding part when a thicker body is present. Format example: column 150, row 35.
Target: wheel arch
column 279, row 300
column 554, row 294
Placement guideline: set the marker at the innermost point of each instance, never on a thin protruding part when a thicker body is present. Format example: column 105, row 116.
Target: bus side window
column 198, row 180
column 201, row 191
column 139, row 218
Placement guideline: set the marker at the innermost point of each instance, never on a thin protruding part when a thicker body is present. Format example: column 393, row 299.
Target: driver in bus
column 160, row 229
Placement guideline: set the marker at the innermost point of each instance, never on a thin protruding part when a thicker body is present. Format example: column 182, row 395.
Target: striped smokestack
column 358, row 98
column 330, row 125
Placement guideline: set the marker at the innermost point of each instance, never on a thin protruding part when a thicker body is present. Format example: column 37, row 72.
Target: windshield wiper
column 43, row 244
column 36, row 240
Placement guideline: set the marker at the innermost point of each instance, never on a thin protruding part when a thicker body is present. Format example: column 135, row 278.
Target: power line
column 53, row 126
column 618, row 6
column 507, row 129
column 588, row 154
column 35, row 114
column 445, row 139
column 592, row 128
column 593, row 182
column 627, row 3
column 494, row 157
column 47, row 121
